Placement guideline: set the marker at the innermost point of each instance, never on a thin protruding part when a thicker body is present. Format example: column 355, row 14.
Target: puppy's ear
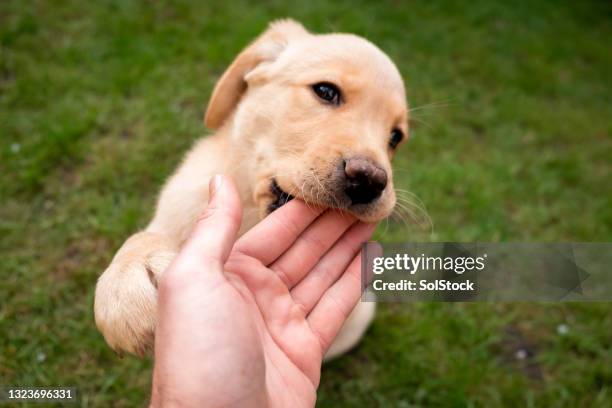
column 265, row 49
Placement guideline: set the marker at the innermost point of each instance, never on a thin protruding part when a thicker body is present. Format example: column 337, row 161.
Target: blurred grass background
column 512, row 141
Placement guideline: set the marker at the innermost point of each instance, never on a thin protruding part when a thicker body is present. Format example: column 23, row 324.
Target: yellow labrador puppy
column 316, row 117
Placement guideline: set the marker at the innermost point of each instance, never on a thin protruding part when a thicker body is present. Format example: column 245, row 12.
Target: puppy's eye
column 396, row 137
column 328, row 92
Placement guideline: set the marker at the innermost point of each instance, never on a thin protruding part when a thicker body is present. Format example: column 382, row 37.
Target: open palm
column 247, row 322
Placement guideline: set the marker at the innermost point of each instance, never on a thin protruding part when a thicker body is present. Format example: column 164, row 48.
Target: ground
column 511, row 141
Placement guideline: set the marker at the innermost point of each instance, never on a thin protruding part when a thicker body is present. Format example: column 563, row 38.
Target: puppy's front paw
column 126, row 294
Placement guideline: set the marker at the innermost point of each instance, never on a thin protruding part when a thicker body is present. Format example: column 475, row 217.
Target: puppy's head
column 320, row 117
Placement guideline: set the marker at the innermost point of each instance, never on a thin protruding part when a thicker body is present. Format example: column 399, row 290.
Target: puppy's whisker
column 419, row 209
column 402, row 213
column 396, row 215
column 412, row 195
column 422, row 122
column 415, row 210
column 384, row 232
column 397, row 168
column 403, row 208
column 426, row 109
column 437, row 104
column 406, row 213
column 321, row 190
column 304, row 195
column 409, row 206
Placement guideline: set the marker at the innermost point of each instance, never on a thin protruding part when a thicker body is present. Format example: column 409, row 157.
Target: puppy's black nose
column 365, row 181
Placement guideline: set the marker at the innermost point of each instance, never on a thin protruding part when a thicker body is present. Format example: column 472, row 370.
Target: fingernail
column 214, row 185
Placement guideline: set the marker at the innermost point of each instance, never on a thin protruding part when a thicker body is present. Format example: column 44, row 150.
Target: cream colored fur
column 269, row 124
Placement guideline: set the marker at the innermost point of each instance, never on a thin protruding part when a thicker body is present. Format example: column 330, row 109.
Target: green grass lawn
column 99, row 101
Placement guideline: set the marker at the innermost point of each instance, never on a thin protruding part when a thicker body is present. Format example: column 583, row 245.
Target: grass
column 99, row 101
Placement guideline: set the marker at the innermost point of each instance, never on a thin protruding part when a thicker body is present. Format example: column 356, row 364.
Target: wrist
column 165, row 396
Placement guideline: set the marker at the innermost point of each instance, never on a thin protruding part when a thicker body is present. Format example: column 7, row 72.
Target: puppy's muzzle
column 364, row 181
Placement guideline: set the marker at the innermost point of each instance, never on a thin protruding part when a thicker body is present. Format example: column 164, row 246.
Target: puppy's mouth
column 280, row 197
column 365, row 211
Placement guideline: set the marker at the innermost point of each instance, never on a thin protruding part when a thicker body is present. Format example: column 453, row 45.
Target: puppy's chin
column 374, row 212
column 370, row 213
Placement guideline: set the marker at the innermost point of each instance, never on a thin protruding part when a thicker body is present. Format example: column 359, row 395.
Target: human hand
column 247, row 323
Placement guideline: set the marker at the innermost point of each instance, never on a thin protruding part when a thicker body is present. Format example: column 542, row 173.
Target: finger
column 284, row 319
column 215, row 231
column 277, row 232
column 309, row 247
column 331, row 266
column 330, row 313
column 269, row 292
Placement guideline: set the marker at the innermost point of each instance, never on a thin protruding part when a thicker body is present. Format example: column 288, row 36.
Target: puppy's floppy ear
column 266, row 48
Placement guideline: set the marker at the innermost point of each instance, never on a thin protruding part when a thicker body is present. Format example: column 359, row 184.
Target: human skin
column 247, row 322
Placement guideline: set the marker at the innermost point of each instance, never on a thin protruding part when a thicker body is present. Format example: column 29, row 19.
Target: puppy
column 317, row 117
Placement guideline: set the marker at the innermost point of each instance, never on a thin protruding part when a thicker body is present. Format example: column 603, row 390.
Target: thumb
column 216, row 229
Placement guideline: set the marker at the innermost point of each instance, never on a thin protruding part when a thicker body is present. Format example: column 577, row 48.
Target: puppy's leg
column 352, row 330
column 126, row 295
